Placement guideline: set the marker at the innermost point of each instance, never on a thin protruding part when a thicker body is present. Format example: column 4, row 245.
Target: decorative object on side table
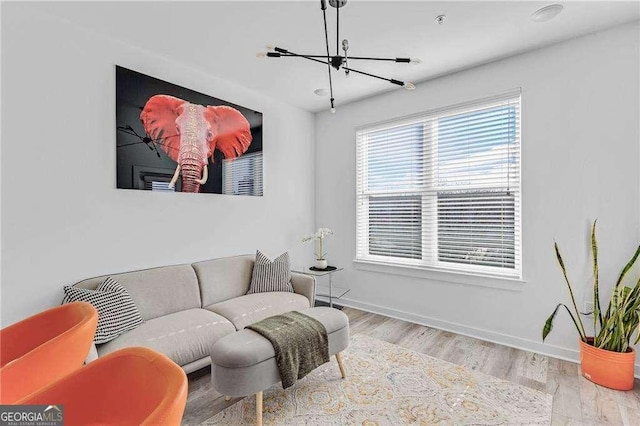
column 319, row 236
column 330, row 292
column 607, row 358
column 327, row 269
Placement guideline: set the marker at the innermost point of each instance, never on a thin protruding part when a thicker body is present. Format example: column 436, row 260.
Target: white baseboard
column 478, row 333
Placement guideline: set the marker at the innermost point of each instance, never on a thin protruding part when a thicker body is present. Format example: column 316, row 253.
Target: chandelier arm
column 305, row 56
column 323, row 5
column 313, row 58
column 360, row 58
column 390, row 80
column 337, row 31
column 346, row 63
column 309, row 57
column 369, row 58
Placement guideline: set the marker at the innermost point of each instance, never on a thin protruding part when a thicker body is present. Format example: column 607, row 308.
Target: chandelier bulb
column 333, row 110
column 409, row 86
column 269, row 47
column 261, row 55
column 416, row 61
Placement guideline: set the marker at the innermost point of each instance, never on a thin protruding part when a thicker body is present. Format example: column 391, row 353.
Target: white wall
column 63, row 218
column 580, row 150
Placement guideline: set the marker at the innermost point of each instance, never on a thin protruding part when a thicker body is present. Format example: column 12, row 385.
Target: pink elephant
column 190, row 133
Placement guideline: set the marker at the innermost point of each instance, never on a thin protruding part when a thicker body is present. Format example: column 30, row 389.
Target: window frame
column 491, row 276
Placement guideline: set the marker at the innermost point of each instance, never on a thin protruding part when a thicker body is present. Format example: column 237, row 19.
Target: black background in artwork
column 132, row 92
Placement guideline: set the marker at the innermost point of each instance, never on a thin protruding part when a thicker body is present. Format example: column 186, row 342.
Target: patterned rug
column 390, row 385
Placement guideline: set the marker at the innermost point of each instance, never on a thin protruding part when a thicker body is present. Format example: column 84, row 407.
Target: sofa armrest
column 304, row 285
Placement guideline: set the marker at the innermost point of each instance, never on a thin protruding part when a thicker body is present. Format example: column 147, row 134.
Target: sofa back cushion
column 225, row 278
column 158, row 291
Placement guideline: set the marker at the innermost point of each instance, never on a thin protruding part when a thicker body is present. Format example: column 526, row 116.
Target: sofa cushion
column 184, row 336
column 245, row 310
column 158, row 291
column 224, row 278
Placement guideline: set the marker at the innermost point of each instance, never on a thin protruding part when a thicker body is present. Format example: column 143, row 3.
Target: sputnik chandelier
column 339, row 61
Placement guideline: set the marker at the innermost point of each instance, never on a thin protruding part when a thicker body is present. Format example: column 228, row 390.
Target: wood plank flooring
column 576, row 401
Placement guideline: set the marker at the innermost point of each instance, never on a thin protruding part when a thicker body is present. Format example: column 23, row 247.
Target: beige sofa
column 187, row 308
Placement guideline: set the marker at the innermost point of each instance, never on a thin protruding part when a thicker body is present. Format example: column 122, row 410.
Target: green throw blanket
column 300, row 342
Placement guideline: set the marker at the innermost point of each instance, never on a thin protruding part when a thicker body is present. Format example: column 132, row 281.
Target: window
column 243, row 175
column 442, row 189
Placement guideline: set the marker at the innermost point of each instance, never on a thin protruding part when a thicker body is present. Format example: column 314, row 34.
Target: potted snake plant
column 606, row 358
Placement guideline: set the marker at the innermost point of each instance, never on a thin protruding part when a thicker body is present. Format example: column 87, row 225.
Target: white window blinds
column 243, row 175
column 442, row 189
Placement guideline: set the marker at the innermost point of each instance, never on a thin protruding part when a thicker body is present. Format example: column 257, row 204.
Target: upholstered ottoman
column 244, row 363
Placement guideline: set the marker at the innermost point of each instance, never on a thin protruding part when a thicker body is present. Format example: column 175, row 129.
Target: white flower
column 320, row 234
column 324, row 232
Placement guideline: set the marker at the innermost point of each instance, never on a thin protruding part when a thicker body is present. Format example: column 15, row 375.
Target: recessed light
column 547, row 13
column 440, row 19
column 320, row 92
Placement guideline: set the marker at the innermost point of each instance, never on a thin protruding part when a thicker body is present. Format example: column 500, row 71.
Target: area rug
column 390, row 385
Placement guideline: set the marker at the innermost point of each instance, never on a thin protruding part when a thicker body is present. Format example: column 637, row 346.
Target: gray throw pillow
column 117, row 313
column 271, row 275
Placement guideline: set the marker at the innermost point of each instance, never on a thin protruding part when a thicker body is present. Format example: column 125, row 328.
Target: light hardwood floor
column 575, row 399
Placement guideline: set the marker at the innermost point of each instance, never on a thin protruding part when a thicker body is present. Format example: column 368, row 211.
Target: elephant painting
column 170, row 138
column 190, row 133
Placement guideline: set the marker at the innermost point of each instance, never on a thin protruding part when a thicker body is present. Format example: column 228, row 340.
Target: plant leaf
column 583, row 334
column 597, row 314
column 628, row 266
column 637, row 327
column 548, row 324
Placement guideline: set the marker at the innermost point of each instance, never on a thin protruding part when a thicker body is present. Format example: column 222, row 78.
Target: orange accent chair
column 43, row 348
column 131, row 386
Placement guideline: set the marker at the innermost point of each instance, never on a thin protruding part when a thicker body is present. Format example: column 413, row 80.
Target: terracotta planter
column 610, row 369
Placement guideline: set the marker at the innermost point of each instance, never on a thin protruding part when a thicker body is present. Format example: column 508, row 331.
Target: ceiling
column 222, row 38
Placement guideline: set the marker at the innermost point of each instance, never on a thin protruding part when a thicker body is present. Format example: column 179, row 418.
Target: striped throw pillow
column 116, row 311
column 271, row 275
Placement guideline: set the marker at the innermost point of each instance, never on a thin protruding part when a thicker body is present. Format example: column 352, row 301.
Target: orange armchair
column 132, row 386
column 43, row 348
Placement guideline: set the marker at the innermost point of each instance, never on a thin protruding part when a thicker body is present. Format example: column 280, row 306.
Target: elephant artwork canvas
column 173, row 139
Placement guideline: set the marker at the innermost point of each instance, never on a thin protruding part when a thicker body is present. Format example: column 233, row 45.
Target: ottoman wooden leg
column 227, row 398
column 259, row 408
column 343, row 372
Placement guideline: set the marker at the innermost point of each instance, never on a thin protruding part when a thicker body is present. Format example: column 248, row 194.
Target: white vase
column 321, row 263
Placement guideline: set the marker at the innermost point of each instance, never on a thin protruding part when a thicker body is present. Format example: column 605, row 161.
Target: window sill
column 465, row 278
